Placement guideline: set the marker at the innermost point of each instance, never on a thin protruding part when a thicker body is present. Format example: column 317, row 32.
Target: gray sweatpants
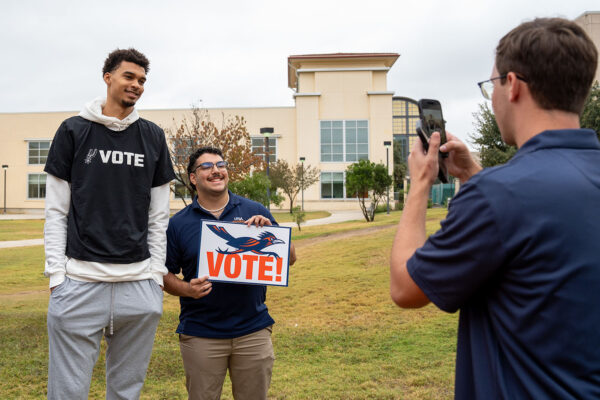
column 79, row 313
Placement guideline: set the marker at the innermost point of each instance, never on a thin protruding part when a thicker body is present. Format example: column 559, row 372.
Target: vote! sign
column 234, row 252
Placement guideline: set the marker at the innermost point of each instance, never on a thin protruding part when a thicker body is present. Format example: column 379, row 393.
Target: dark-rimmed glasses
column 205, row 166
column 487, row 87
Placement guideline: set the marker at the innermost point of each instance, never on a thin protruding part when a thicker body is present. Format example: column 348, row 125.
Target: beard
column 127, row 103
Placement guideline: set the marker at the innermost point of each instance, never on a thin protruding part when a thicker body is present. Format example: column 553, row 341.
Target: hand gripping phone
column 431, row 120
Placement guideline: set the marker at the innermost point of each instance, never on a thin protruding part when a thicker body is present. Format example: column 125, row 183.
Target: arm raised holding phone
column 424, row 168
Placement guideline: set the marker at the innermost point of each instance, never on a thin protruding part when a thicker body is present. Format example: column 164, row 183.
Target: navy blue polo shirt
column 519, row 255
column 230, row 310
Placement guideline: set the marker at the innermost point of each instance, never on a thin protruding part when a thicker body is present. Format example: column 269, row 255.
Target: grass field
column 34, row 228
column 337, row 335
column 21, row 229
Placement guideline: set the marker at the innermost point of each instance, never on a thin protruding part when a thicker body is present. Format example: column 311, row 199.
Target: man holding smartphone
column 517, row 254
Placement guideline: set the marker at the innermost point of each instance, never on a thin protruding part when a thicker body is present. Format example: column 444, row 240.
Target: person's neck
column 112, row 109
column 213, row 202
column 541, row 120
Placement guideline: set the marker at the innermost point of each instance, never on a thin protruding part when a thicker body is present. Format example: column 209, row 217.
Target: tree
column 291, row 179
column 254, row 187
column 364, row 178
column 590, row 117
column 299, row 217
column 492, row 150
column 197, row 131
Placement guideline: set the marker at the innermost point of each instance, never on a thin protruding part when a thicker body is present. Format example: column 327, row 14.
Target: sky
column 234, row 53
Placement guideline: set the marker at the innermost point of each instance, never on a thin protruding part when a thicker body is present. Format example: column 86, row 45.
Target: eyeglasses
column 487, row 87
column 205, row 166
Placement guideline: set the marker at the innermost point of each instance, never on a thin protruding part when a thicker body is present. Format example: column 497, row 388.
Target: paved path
column 336, row 216
column 20, row 216
column 20, row 243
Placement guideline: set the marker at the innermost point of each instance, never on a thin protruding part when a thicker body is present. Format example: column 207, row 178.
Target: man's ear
column 106, row 78
column 515, row 88
column 193, row 179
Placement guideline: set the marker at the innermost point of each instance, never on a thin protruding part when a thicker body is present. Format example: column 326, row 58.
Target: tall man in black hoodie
column 107, row 209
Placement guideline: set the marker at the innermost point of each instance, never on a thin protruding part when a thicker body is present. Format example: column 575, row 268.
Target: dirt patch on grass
column 19, row 295
column 341, row 235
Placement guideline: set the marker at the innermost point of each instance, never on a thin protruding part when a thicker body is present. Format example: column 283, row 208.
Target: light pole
column 405, row 188
column 4, row 167
column 302, row 180
column 387, row 145
column 266, row 132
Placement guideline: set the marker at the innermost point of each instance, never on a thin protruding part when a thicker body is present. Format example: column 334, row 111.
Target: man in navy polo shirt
column 518, row 252
column 222, row 326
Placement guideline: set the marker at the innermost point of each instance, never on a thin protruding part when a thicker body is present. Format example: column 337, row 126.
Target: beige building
column 342, row 113
column 590, row 22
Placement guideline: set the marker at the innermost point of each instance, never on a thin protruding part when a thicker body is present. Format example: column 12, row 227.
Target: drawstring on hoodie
column 112, row 307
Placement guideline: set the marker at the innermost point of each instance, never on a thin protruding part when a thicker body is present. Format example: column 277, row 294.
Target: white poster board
column 234, row 252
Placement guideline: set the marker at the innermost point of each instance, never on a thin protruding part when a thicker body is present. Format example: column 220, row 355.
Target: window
column 404, row 124
column 332, row 141
column 332, row 185
column 258, row 147
column 182, row 190
column 181, row 150
column 344, row 140
column 404, row 146
column 36, row 186
column 38, row 151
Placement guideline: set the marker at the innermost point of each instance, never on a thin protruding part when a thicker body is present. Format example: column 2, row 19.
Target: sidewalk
column 7, row 217
column 336, row 216
column 20, row 243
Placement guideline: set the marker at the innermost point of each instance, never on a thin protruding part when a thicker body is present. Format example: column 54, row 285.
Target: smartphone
column 431, row 120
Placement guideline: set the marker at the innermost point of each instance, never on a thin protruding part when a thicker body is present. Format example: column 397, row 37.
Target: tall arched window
column 405, row 114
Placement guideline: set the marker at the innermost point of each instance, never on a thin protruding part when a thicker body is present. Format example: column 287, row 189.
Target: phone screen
column 433, row 121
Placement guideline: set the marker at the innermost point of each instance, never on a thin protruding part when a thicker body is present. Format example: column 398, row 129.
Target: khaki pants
column 249, row 359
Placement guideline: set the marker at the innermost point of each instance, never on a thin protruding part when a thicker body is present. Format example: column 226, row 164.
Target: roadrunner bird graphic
column 246, row 244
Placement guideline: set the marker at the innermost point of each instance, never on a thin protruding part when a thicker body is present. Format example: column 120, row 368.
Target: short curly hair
column 116, row 57
column 195, row 155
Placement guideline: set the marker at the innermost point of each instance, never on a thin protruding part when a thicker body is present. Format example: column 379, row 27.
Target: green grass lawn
column 34, row 228
column 337, row 333
column 21, row 229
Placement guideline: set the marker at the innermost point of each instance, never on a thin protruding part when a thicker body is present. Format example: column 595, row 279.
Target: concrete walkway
column 21, row 243
column 336, row 216
column 5, row 217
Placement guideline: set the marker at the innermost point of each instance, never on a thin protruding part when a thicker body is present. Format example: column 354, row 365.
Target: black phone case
column 443, row 171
